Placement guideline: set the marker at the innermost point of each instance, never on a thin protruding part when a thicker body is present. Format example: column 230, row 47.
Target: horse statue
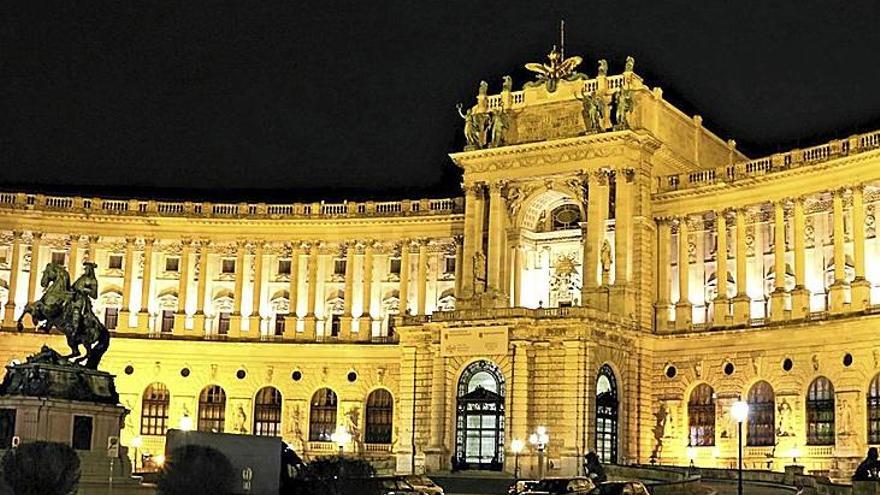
column 68, row 308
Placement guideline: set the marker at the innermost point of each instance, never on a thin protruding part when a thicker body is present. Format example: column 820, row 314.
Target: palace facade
column 611, row 273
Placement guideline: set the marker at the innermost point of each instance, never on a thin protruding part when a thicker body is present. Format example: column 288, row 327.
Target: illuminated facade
column 574, row 286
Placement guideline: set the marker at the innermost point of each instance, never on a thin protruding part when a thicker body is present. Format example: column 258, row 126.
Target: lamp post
column 516, row 446
column 341, row 437
column 540, row 439
column 692, row 454
column 136, row 443
column 740, row 412
column 186, row 423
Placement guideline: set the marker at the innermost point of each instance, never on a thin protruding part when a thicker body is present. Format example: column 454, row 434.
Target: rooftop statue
column 68, row 308
column 603, row 67
column 624, row 104
column 630, row 64
column 593, row 111
column 557, row 69
column 507, row 84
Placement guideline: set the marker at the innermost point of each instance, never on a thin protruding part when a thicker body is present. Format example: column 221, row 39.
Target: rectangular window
column 223, row 323
column 395, row 266
column 279, row 324
column 82, row 433
column 111, row 318
column 167, row 320
column 227, row 266
column 4, row 255
column 172, row 264
column 335, row 324
column 7, row 427
column 114, row 262
column 339, row 267
column 450, row 264
column 283, row 267
column 59, row 257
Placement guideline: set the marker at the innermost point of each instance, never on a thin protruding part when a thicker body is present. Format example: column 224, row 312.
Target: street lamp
column 341, row 437
column 136, row 443
column 186, row 423
column 516, row 446
column 740, row 412
column 540, row 439
column 795, row 453
column 691, row 453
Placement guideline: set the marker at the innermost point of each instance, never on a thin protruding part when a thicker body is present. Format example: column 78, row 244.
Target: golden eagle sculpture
column 558, row 68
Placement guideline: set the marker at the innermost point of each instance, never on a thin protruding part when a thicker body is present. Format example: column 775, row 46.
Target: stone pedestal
column 254, row 326
column 621, row 300
column 310, row 332
column 777, row 305
column 792, row 471
column 800, row 303
column 345, row 328
column 683, row 313
column 124, row 321
column 741, row 310
column 861, row 294
column 836, row 298
column 179, row 324
column 199, row 324
column 234, row 326
column 290, row 323
column 143, row 322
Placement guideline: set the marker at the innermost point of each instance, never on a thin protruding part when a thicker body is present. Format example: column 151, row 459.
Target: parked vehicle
column 562, row 486
column 622, row 488
column 521, row 486
column 423, row 483
column 392, row 485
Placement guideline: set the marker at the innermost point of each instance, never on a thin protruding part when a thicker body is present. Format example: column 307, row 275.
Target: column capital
column 497, row 187
column 17, row 235
column 149, row 242
column 36, row 235
column 664, row 220
column 598, row 177
column 186, row 242
column 458, row 239
column 625, row 172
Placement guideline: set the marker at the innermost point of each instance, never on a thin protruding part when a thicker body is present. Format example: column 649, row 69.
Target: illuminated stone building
column 575, row 285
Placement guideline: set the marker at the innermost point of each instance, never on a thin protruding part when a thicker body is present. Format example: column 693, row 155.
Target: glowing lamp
column 159, row 460
column 516, row 446
column 740, row 411
column 137, row 442
column 186, row 423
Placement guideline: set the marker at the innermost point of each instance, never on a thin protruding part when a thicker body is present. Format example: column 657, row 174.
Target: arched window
column 820, row 412
column 874, row 411
column 762, row 416
column 606, row 415
column 322, row 419
column 212, row 409
column 566, row 217
column 154, row 409
column 267, row 412
column 380, row 416
column 701, row 416
column 479, row 436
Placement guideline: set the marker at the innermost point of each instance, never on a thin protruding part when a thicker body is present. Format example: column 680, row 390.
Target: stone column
column 683, row 311
column 91, row 253
column 597, row 213
column 124, row 322
column 404, row 277
column 235, row 317
column 255, row 318
column 721, row 304
column 143, row 316
column 35, row 266
column 742, row 302
column 311, row 321
column 777, row 298
column 73, row 257
column 345, row 321
column 519, row 391
column 436, row 447
column 365, row 324
column 182, row 288
column 422, row 278
column 518, row 256
column 292, row 293
column 861, row 288
column 14, row 269
column 664, row 281
column 837, row 290
column 623, row 299
column 497, row 231
column 201, row 288
column 459, row 264
column 465, row 287
column 800, row 296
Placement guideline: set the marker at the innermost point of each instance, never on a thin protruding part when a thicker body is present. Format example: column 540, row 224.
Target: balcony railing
column 136, row 207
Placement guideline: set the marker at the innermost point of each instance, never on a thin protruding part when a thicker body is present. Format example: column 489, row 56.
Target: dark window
column 59, row 257
column 7, row 427
column 223, row 323
column 111, row 317
column 283, row 267
column 338, row 267
column 701, row 416
column 154, row 410
column 820, row 412
column 479, row 422
column 380, row 416
column 394, row 268
column 167, row 320
column 172, row 264
column 212, row 409
column 227, row 266
column 82, row 433
column 335, row 324
column 566, row 217
column 450, row 265
column 114, row 262
column 874, row 411
column 267, row 412
column 322, row 419
column 280, row 320
column 762, row 416
column 606, row 415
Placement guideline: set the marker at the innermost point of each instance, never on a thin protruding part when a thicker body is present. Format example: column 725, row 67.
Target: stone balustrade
column 137, row 207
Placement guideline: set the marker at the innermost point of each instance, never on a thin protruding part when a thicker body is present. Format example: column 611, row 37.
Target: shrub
column 334, row 475
column 41, row 468
column 193, row 469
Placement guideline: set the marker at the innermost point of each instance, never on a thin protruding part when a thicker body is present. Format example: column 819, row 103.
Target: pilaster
column 143, row 316
column 14, row 272
column 777, row 298
column 837, row 291
column 742, row 301
column 861, row 287
column 800, row 296
column 683, row 308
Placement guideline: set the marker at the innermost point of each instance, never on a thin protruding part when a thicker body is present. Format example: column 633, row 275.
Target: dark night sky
column 290, row 100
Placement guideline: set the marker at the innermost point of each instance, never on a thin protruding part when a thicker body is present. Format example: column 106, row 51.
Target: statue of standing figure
column 593, row 110
column 603, row 68
column 475, row 128
column 498, row 124
column 623, row 102
column 605, row 258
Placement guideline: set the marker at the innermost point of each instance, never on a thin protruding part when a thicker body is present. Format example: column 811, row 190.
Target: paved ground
column 724, row 488
column 491, row 487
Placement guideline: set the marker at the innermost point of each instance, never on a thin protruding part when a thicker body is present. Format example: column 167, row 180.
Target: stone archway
column 479, row 430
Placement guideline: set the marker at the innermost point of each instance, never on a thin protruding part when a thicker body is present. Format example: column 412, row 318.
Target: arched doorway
column 479, row 435
column 607, row 407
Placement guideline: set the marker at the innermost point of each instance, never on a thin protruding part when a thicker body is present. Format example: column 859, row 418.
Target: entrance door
column 479, row 437
column 607, row 406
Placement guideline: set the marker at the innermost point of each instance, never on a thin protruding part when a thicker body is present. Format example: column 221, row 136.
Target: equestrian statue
column 68, row 308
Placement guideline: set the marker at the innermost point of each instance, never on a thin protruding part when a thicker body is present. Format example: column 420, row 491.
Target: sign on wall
column 473, row 341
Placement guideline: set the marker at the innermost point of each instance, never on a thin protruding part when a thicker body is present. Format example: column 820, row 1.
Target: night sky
column 293, row 100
